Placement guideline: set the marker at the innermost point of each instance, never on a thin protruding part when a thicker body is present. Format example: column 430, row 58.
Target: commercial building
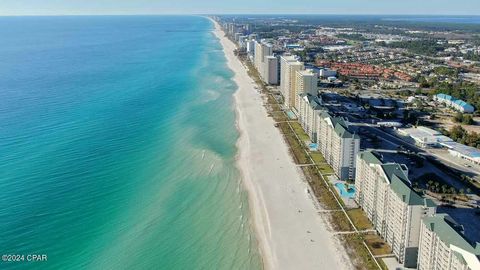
column 423, row 136
column 289, row 65
column 384, row 192
column 325, row 73
column 462, row 151
column 443, row 246
column 338, row 144
column 456, row 104
column 305, row 83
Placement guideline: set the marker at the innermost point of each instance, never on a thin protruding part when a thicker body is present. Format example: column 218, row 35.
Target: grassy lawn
column 325, row 169
column 285, row 129
column 274, row 107
column 299, row 130
column 279, row 116
column 271, row 100
column 377, row 245
column 340, row 222
column 359, row 218
column 320, row 190
column 358, row 253
column 317, row 157
column 297, row 149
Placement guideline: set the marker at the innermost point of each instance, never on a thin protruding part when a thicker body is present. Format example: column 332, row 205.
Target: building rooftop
column 313, row 101
column 459, row 102
column 464, row 150
column 425, row 135
column 340, row 126
column 307, row 72
column 344, row 132
column 450, row 232
column 397, row 176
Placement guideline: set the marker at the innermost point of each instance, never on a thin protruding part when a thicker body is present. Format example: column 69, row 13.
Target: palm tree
column 437, row 185
column 430, row 183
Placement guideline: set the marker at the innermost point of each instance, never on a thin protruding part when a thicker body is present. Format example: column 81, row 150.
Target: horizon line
column 237, row 14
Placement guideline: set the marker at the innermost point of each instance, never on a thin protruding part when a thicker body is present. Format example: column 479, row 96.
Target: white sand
column 282, row 210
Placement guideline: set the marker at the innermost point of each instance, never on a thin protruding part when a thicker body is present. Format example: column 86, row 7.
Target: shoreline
column 290, row 232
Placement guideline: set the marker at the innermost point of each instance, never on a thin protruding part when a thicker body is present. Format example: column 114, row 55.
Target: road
column 424, row 152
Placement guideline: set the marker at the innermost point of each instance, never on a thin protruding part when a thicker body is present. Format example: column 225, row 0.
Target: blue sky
column 64, row 7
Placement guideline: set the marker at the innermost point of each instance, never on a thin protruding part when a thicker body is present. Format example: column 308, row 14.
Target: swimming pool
column 350, row 193
column 291, row 115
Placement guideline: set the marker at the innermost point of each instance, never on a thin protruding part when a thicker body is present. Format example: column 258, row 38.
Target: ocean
column 117, row 146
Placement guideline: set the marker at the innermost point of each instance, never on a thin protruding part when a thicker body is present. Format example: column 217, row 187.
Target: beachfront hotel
column 271, row 70
column 443, row 246
column 383, row 191
column 262, row 50
column 305, row 83
column 338, row 144
column 289, row 65
column 308, row 114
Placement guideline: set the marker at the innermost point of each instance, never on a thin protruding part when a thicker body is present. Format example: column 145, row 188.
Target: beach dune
column 290, row 232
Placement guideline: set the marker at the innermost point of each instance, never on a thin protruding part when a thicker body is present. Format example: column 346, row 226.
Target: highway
column 469, row 171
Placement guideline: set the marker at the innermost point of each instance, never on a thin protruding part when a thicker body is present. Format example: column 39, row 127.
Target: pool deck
column 349, row 202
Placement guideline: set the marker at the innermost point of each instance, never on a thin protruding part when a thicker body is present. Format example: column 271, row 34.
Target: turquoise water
column 117, row 144
column 350, row 193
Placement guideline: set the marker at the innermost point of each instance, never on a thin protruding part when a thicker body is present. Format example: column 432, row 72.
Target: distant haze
column 120, row 7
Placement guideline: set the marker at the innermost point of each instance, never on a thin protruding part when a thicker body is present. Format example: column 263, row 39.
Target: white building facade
column 393, row 207
column 289, row 65
column 338, row 144
column 443, row 246
column 305, row 83
column 262, row 50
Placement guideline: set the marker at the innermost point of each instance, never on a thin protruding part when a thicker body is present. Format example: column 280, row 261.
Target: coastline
column 290, row 232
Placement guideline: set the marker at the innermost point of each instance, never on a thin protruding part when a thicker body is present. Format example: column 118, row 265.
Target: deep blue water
column 117, row 145
column 436, row 19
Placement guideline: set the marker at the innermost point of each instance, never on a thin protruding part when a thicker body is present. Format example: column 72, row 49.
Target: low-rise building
column 443, row 246
column 383, row 191
column 423, row 136
column 325, row 73
column 462, row 151
column 456, row 104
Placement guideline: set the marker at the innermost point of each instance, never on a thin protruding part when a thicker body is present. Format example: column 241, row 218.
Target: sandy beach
column 290, row 232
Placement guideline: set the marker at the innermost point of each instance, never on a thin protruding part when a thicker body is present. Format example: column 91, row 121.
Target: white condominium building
column 305, row 83
column 443, row 246
column 395, row 210
column 289, row 65
column 338, row 144
column 308, row 111
column 262, row 50
column 251, row 47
